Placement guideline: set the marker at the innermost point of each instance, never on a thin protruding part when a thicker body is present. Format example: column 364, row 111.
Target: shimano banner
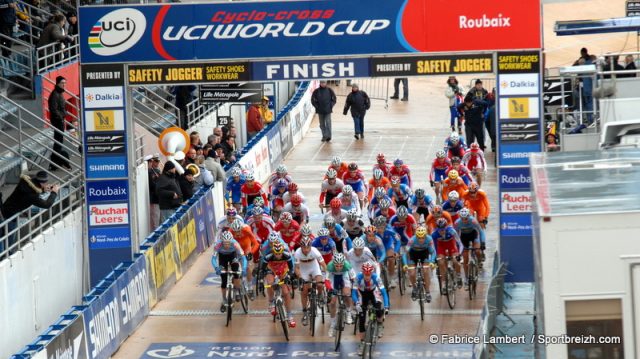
column 303, row 28
column 70, row 342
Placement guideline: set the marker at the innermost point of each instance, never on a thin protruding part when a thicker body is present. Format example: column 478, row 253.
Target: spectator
column 611, row 64
column 154, row 207
column 194, row 138
column 396, row 88
column 473, row 112
column 29, row 192
column 254, row 120
column 265, row 113
column 229, row 148
column 629, row 65
column 491, row 119
column 57, row 115
column 218, row 133
column 359, row 103
column 187, row 183
column 214, row 165
column 183, row 95
column 205, row 178
column 323, row 99
column 168, row 191
column 72, row 23
column 52, row 33
column 584, row 55
column 8, row 19
column 190, row 158
column 454, row 94
column 212, row 140
column 477, row 92
column 221, row 156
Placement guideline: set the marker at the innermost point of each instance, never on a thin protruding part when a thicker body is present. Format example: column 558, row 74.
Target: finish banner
column 277, row 29
column 431, row 65
column 188, row 73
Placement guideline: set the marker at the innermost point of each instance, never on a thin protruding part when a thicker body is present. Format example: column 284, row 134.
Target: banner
column 70, row 342
column 151, row 275
column 275, row 146
column 169, row 74
column 310, row 69
column 431, row 65
column 116, row 312
column 210, row 216
column 165, row 264
column 239, row 30
column 200, row 219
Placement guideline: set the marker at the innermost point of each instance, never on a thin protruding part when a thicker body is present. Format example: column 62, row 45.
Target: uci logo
column 117, row 32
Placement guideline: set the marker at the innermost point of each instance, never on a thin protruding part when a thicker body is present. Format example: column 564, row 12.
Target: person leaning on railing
column 52, row 33
column 168, row 190
column 29, row 192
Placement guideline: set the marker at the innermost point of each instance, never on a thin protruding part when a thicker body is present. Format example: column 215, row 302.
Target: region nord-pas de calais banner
column 304, row 28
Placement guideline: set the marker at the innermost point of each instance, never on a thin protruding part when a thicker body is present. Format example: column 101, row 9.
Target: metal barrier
column 488, row 83
column 17, row 70
column 54, row 55
column 197, row 111
column 376, row 88
column 30, row 145
column 151, row 114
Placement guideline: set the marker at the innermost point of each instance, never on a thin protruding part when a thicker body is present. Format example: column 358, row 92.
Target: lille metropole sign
column 283, row 40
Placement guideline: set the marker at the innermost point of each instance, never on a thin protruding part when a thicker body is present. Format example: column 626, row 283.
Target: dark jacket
column 186, row 187
column 359, row 103
column 52, row 33
column 7, row 13
column 228, row 150
column 630, row 66
column 166, row 187
column 474, row 115
column 154, row 174
column 477, row 94
column 323, row 100
column 25, row 195
column 57, row 108
column 184, row 95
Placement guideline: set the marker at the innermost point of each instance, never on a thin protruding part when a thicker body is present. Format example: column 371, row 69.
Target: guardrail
column 164, row 256
column 51, row 56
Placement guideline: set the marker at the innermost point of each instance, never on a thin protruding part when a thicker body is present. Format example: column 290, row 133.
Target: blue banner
column 113, row 314
column 514, row 177
column 516, row 154
column 109, row 237
column 515, row 224
column 275, row 146
column 107, row 191
column 106, row 167
column 310, row 69
column 517, row 251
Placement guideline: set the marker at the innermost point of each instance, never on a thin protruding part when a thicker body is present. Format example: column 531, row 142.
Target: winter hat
column 59, row 79
column 168, row 166
column 42, row 177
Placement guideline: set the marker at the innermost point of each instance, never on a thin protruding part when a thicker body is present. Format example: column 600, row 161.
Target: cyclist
column 421, row 204
column 278, row 263
column 471, row 235
column 280, row 173
column 261, row 224
column 437, row 174
column 437, row 213
column 277, row 197
column 391, row 242
column 250, row 190
column 382, row 165
column 309, row 267
column 378, row 180
column 452, row 183
column 225, row 223
column 447, row 241
column 349, row 199
column 340, row 276
column 476, row 200
column 289, row 229
column 378, row 195
column 353, row 224
column 340, row 167
column 292, row 190
column 453, row 205
column 402, row 171
column 258, row 202
column 305, row 231
column 324, row 244
column 227, row 251
column 250, row 246
column 233, row 188
column 454, row 145
column 404, row 224
column 420, row 249
column 400, row 193
column 356, row 180
column 338, row 234
column 385, row 210
column 373, row 245
column 475, row 162
column 337, row 213
column 266, row 246
column 331, row 188
column 369, row 290
column 298, row 210
column 463, row 171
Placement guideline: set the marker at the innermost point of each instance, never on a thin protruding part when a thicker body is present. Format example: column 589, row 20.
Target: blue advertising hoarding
column 310, row 69
column 109, row 237
column 514, row 177
column 515, row 224
column 107, row 191
column 517, row 154
column 106, row 167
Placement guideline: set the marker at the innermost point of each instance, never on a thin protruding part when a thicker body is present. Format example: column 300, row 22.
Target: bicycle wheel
column 450, row 284
column 283, row 320
column 339, row 327
column 421, row 299
column 473, row 275
column 369, row 339
column 229, row 301
column 322, row 308
column 442, row 289
column 402, row 284
column 385, row 277
column 244, row 299
column 355, row 324
column 312, row 311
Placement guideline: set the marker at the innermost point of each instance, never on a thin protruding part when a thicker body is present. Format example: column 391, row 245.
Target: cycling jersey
column 374, row 284
column 376, row 247
column 469, row 226
column 404, row 229
column 425, row 203
column 350, row 202
column 463, row 172
column 265, row 247
column 249, row 211
column 329, row 191
column 233, row 189
column 341, row 238
column 447, row 241
column 475, row 161
column 390, row 239
column 278, row 266
column 249, row 192
column 374, row 183
column 416, row 251
column 358, row 261
column 325, row 249
column 262, row 226
column 400, row 194
column 355, row 180
column 431, row 221
column 341, row 170
column 373, row 205
column 403, row 173
column 224, row 224
column 286, row 198
column 439, row 168
column 385, row 168
column 478, row 203
column 340, row 279
column 225, row 257
column 453, row 208
column 455, row 150
column 247, row 240
column 450, row 185
column 354, row 228
column 308, row 264
column 275, row 177
column 299, row 213
column 337, row 216
column 388, row 213
column 290, row 234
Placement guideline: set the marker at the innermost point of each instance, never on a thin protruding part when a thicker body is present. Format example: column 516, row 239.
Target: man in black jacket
column 26, row 194
column 473, row 112
column 8, row 20
column 168, row 190
column 323, row 99
column 359, row 103
column 57, row 114
column 186, row 182
column 154, row 174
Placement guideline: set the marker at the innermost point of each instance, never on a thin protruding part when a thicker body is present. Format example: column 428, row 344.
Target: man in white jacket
column 454, row 93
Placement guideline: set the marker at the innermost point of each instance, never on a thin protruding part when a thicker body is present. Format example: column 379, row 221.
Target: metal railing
column 150, row 114
column 15, row 72
column 139, row 143
column 29, row 144
column 62, row 7
column 37, row 19
column 197, row 111
column 49, row 57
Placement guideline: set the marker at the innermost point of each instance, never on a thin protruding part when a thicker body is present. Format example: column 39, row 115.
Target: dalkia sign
column 109, row 214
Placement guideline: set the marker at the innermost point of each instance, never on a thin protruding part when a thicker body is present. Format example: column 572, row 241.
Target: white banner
column 515, row 202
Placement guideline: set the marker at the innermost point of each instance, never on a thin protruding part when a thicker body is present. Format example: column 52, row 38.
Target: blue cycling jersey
column 415, row 245
column 390, row 239
column 402, row 194
column 376, row 247
column 452, row 208
column 468, row 226
column 362, row 285
column 234, row 187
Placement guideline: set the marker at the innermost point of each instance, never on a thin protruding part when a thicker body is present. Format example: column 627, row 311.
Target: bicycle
column 312, row 305
column 450, row 286
column 422, row 293
column 281, row 314
column 402, row 275
column 259, row 276
column 371, row 333
column 472, row 275
column 341, row 319
column 231, row 290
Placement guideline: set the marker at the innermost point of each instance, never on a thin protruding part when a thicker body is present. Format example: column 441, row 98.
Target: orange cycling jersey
column 478, row 204
column 431, row 221
column 373, row 184
column 344, row 168
column 247, row 240
column 459, row 186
